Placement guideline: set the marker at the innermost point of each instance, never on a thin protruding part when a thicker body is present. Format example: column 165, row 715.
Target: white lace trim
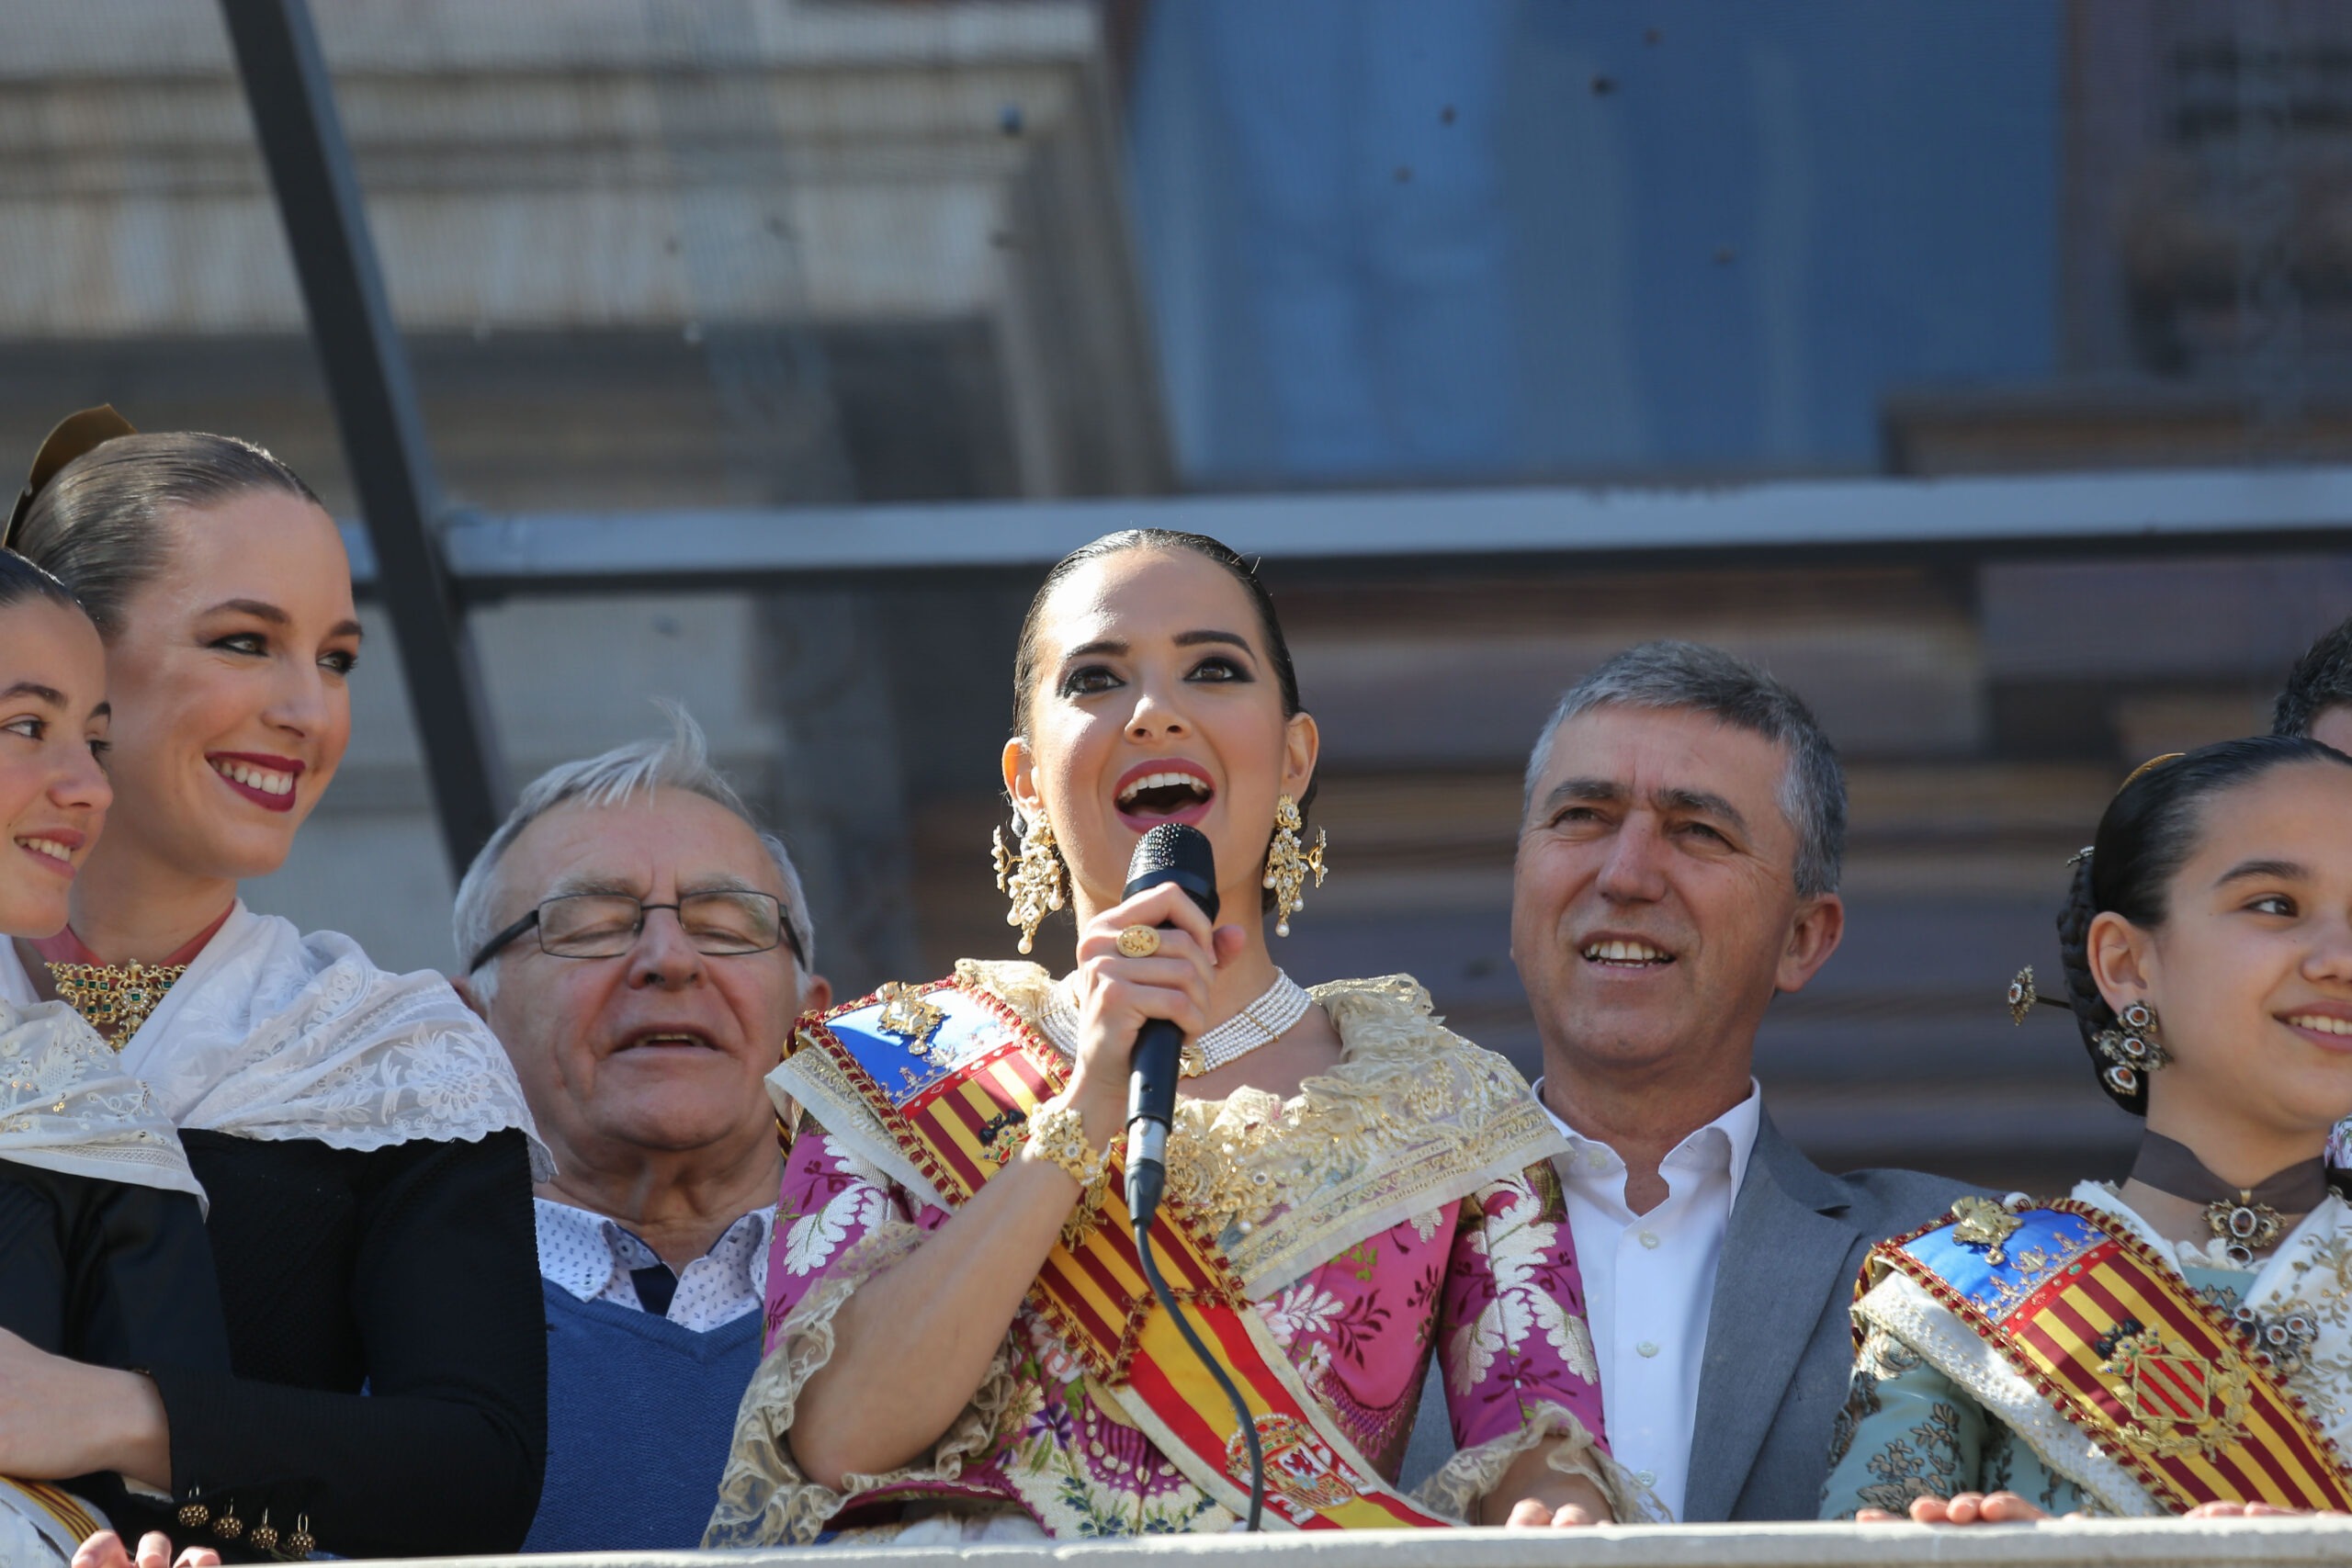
column 274, row 1035
column 66, row 1105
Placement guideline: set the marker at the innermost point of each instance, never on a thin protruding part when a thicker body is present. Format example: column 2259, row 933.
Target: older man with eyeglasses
column 641, row 947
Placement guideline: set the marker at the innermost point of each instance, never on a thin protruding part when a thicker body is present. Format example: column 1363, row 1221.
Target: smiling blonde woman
column 361, row 1135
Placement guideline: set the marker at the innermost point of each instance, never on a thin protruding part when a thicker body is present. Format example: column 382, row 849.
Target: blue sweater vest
column 639, row 1416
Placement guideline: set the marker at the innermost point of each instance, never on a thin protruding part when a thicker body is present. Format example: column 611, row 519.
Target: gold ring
column 1139, row 942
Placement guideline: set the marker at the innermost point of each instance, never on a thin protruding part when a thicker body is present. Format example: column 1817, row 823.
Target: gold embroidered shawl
column 1414, row 1117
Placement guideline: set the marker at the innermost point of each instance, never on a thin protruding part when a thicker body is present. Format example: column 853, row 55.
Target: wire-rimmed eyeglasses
column 725, row 923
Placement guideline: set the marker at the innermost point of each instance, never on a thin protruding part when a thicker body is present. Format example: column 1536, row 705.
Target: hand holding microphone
column 1172, row 854
column 1122, row 990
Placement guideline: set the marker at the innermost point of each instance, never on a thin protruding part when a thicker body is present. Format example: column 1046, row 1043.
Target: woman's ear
column 1021, row 778
column 1302, row 747
column 2123, row 960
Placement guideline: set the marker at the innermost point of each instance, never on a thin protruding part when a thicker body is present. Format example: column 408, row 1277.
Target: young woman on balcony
column 361, row 1135
column 2181, row 1342
column 102, row 1250
column 959, row 1345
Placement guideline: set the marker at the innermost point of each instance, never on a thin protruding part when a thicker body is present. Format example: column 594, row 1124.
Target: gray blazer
column 1779, row 1345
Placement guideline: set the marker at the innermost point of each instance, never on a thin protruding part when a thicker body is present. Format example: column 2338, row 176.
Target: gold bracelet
column 1057, row 1133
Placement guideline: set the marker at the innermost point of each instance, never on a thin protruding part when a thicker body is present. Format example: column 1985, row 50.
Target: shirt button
column 1649, row 1238
column 1646, row 1348
column 1647, row 1477
column 1595, row 1160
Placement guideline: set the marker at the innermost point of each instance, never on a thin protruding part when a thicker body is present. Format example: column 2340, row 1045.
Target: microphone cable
column 1193, row 1338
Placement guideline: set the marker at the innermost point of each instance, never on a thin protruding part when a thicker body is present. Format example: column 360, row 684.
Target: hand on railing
column 1962, row 1508
column 1567, row 1502
column 105, row 1550
column 2009, row 1509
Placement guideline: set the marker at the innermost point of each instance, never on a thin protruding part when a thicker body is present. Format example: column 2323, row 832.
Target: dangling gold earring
column 1287, row 864
column 2132, row 1047
column 1033, row 879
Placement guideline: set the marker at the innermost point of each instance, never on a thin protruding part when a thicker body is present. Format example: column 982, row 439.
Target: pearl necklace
column 1262, row 1022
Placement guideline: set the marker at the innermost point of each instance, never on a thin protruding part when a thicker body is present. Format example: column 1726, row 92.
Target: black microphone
column 1175, row 852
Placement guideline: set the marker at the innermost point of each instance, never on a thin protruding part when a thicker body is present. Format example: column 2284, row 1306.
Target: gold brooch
column 114, row 999
column 1983, row 1224
column 907, row 1014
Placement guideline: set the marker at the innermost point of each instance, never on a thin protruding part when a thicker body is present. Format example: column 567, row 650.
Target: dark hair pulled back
column 98, row 525
column 2147, row 834
column 1270, row 625
column 21, row 581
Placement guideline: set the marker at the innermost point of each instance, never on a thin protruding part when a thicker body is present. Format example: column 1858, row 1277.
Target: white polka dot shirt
column 590, row 1257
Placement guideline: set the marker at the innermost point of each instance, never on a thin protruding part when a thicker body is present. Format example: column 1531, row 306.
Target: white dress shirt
column 1649, row 1280
column 592, row 1257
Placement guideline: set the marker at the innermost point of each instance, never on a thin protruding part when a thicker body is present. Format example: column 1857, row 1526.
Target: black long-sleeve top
column 408, row 1272
column 107, row 1272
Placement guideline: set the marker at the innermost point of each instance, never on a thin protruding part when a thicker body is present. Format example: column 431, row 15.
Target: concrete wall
column 2087, row 1543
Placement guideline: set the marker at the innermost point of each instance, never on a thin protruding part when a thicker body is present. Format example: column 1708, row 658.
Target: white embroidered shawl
column 67, row 1105
column 2310, row 1274
column 277, row 1036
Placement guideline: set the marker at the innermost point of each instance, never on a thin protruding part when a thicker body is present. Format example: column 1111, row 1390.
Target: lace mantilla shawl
column 1413, row 1118
column 66, row 1105
column 2310, row 1274
column 274, row 1035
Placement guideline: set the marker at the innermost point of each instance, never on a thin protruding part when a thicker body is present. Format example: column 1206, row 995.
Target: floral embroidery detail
column 66, row 1103
column 1356, row 1322
column 277, row 1034
column 1931, row 1470
column 1522, row 1251
column 2319, row 1292
column 1302, row 1309
column 814, row 1238
column 1404, row 1128
column 1054, row 1359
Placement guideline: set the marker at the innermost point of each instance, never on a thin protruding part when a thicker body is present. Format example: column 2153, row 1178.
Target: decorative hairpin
column 2022, row 995
column 74, row 435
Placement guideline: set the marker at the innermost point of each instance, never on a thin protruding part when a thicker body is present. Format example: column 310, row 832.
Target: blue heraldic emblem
column 1993, row 1259
column 908, row 1039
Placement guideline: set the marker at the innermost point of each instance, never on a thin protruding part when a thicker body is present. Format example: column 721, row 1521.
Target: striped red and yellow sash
column 63, row 1517
column 2119, row 1345
column 954, row 1074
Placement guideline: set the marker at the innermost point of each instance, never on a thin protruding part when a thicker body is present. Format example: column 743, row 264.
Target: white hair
column 612, row 778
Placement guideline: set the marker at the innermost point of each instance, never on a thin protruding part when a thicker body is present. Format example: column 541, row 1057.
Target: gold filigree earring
column 1288, row 865
column 1032, row 879
column 2132, row 1047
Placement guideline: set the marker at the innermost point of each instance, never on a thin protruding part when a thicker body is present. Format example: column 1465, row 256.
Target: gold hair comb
column 2149, row 766
column 74, row 434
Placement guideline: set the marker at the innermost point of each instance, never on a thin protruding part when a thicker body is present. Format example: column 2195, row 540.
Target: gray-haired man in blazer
column 1676, row 869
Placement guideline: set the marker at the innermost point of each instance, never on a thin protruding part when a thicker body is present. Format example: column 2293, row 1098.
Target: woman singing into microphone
column 959, row 1345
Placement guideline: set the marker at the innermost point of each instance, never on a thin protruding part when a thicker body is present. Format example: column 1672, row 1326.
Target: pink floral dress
column 1414, row 1213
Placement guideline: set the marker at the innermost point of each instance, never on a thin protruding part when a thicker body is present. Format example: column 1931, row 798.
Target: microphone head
column 1178, row 852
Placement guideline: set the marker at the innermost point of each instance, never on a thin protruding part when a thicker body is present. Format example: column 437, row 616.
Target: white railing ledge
column 2066, row 1543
